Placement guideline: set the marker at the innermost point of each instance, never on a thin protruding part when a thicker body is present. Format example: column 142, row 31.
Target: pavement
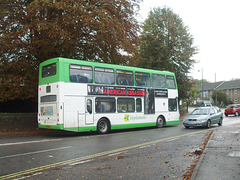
column 221, row 157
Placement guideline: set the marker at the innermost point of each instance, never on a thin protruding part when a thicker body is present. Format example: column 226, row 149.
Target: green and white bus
column 80, row 96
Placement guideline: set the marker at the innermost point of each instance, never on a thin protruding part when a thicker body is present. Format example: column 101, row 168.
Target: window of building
column 81, row 74
column 142, row 79
column 139, row 105
column 235, row 91
column 171, row 82
column 227, row 91
column 105, row 105
column 235, row 100
column 104, row 76
column 172, row 104
column 125, row 105
column 125, row 78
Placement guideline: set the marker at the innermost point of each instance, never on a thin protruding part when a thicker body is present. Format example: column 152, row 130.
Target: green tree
column 194, row 94
column 166, row 44
column 35, row 30
column 219, row 98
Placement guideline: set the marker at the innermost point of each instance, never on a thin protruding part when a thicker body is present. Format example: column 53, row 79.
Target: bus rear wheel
column 160, row 122
column 103, row 126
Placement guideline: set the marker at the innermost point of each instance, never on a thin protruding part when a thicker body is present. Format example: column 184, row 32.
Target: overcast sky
column 215, row 27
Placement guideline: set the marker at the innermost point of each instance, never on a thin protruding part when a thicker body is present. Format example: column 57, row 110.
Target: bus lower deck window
column 105, row 105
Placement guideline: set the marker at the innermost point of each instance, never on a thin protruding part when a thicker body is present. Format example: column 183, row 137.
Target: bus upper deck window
column 81, row 74
column 49, row 70
column 171, row 82
column 104, row 76
column 142, row 79
column 125, row 78
column 158, row 81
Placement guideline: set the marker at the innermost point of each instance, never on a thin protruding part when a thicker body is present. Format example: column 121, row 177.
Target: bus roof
column 92, row 63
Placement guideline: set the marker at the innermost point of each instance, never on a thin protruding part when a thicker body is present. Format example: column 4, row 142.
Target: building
column 231, row 88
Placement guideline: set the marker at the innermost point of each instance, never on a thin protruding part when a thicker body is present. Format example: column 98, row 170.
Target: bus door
column 89, row 111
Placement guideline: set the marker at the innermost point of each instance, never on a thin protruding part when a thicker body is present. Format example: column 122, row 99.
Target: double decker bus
column 76, row 95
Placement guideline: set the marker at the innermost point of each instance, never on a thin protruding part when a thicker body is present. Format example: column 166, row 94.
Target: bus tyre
column 103, row 126
column 160, row 122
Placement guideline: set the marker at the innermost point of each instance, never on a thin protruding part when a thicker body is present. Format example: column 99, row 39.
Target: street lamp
column 202, row 82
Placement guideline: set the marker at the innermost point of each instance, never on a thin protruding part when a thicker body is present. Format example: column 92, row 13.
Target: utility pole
column 202, row 83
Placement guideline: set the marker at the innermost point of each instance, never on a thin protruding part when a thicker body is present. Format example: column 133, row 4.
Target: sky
column 215, row 27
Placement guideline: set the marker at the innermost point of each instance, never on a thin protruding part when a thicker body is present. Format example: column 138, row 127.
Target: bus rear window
column 49, row 98
column 49, row 70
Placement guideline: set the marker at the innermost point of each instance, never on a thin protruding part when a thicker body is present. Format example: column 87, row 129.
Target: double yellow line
column 84, row 158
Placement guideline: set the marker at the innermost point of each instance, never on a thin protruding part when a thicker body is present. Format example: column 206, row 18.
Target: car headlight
column 202, row 120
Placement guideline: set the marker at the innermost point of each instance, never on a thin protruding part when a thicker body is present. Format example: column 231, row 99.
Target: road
column 117, row 154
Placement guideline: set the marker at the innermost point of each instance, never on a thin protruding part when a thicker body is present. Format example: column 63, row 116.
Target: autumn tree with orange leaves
column 33, row 31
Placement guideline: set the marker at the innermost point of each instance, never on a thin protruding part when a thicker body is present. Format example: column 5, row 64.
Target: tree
column 166, row 44
column 219, row 97
column 194, row 95
column 33, row 31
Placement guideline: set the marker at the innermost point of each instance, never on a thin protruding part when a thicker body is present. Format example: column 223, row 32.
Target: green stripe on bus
column 137, row 125
column 172, row 122
column 73, row 129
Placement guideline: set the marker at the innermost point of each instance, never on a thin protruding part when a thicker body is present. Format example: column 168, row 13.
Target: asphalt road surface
column 148, row 153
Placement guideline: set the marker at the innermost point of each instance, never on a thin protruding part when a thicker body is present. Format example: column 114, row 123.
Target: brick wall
column 18, row 121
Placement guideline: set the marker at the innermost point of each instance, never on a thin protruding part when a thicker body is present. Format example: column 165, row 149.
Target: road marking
column 29, row 142
column 81, row 162
column 113, row 154
column 142, row 147
column 36, row 152
column 172, row 139
column 85, row 158
column 24, row 177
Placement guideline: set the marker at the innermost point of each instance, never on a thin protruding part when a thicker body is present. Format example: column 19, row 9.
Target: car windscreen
column 200, row 112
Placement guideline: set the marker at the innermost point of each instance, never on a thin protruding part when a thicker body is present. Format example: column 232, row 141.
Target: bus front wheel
column 160, row 122
column 103, row 126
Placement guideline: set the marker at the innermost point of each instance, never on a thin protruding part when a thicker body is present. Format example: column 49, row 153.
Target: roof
column 230, row 85
column 222, row 85
column 209, row 86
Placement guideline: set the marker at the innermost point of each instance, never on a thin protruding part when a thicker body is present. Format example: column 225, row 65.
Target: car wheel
column 187, row 127
column 160, row 122
column 103, row 126
column 208, row 124
column 226, row 115
column 236, row 113
column 220, row 121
